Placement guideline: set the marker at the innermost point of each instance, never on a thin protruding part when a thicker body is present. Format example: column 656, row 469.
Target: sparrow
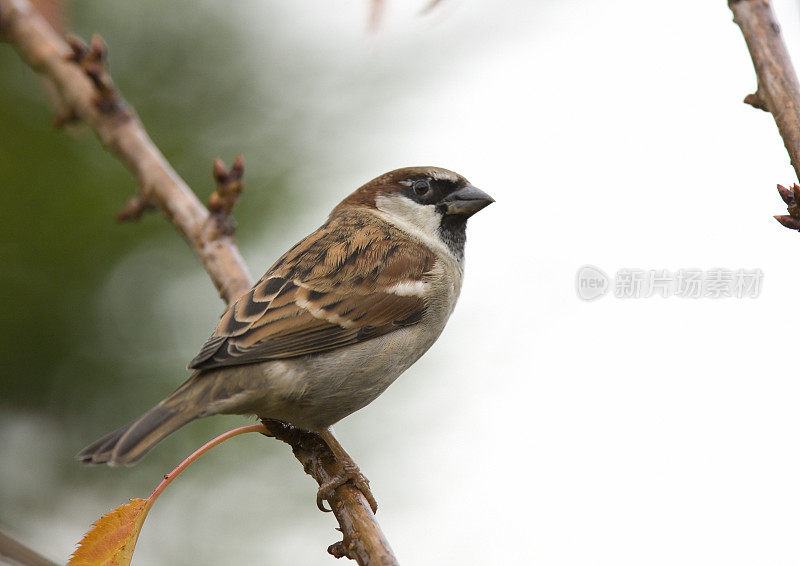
column 332, row 323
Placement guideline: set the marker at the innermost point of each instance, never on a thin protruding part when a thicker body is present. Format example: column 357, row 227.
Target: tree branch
column 81, row 79
column 363, row 541
column 93, row 99
column 778, row 91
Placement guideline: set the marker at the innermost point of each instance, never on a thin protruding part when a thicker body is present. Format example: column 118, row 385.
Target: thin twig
column 194, row 456
column 17, row 552
column 222, row 201
column 81, row 78
column 778, row 91
column 378, row 7
column 431, row 5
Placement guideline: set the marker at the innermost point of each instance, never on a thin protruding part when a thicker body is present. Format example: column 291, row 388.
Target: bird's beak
column 467, row 201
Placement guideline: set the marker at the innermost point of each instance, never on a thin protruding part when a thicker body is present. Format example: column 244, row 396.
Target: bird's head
column 430, row 201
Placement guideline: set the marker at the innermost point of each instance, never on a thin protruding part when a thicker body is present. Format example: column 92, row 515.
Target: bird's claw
column 351, row 474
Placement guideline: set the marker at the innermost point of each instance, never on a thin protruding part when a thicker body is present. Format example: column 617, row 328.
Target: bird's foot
column 350, row 473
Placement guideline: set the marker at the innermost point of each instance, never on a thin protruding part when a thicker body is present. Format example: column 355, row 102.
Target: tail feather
column 99, row 451
column 127, row 445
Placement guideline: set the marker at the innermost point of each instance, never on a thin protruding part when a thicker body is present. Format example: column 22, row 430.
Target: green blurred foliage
column 59, row 243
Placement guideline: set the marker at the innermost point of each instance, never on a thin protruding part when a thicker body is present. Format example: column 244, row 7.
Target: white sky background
column 541, row 428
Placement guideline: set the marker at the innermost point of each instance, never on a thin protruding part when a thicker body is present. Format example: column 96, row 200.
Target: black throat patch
column 453, row 231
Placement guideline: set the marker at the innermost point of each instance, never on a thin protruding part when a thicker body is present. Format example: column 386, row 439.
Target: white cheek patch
column 409, row 289
column 423, row 218
column 420, row 222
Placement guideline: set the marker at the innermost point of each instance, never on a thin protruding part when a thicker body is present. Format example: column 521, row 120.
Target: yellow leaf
column 112, row 538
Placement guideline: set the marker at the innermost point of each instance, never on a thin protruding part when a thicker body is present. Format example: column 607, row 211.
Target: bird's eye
column 421, row 187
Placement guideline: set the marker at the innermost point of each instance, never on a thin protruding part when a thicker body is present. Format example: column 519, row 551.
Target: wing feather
column 348, row 282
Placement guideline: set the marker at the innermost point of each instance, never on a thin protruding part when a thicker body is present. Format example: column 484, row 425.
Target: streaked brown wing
column 339, row 286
